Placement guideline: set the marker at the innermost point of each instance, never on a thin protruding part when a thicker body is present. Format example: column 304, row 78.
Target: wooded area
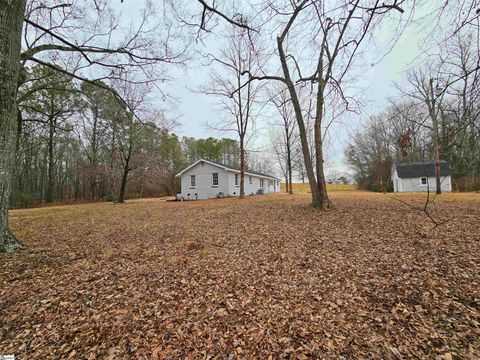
column 76, row 143
column 440, row 107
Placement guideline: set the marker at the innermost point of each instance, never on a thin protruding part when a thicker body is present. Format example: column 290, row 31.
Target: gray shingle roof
column 424, row 168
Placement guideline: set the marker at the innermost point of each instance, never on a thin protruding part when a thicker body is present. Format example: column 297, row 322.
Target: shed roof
column 425, row 168
column 229, row 168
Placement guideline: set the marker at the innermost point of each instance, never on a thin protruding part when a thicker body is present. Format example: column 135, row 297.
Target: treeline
column 82, row 143
column 440, row 106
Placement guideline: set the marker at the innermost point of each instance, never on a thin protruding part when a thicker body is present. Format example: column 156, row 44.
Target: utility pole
column 433, row 115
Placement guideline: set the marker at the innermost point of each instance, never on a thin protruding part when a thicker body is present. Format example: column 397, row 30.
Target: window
column 270, row 183
column 424, row 181
column 250, row 179
column 236, row 179
column 261, row 183
column 192, row 181
column 215, row 179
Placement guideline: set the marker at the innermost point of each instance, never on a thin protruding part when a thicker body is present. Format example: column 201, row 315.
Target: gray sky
column 375, row 84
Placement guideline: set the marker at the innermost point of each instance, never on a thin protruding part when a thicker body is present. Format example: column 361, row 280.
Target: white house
column 420, row 176
column 206, row 179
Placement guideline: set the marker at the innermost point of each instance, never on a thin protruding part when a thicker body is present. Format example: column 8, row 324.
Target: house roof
column 424, row 168
column 228, row 168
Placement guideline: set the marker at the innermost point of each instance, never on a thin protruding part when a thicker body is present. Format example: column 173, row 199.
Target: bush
column 466, row 184
column 20, row 199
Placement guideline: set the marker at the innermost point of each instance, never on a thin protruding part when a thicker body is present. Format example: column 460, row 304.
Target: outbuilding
column 420, row 176
column 206, row 179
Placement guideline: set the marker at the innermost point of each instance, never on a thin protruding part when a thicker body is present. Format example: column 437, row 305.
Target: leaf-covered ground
column 267, row 277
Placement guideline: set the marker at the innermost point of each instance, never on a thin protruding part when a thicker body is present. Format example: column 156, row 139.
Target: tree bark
column 324, row 201
column 126, row 169
column 289, row 161
column 316, row 200
column 433, row 115
column 11, row 20
column 51, row 160
column 242, row 168
column 121, row 196
column 93, row 160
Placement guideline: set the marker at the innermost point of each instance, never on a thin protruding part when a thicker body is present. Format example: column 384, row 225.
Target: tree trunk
column 11, row 20
column 316, row 200
column 321, row 182
column 51, row 162
column 126, row 170
column 93, row 165
column 289, row 164
column 433, row 115
column 286, row 182
column 113, row 170
column 121, row 196
column 324, row 201
column 242, row 168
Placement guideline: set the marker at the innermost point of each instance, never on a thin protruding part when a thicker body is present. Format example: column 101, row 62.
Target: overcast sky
column 375, row 84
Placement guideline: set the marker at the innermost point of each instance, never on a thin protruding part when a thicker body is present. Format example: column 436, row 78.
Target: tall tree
column 51, row 105
column 11, row 19
column 49, row 40
column 97, row 106
column 338, row 32
column 285, row 150
column 238, row 102
column 428, row 89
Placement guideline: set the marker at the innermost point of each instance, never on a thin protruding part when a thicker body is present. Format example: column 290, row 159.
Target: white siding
column 254, row 187
column 204, row 188
column 415, row 184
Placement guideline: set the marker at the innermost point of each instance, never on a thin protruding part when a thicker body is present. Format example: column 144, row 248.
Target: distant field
column 304, row 188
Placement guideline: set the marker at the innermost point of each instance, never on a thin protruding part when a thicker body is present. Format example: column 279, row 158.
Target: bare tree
column 50, row 40
column 428, row 89
column 285, row 147
column 237, row 59
column 338, row 32
column 96, row 103
column 130, row 132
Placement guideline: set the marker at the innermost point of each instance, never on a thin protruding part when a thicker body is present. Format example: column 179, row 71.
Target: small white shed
column 206, row 179
column 420, row 176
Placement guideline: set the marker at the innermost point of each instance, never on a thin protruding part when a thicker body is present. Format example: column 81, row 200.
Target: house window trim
column 262, row 183
column 213, row 180
column 194, row 178
column 237, row 180
column 421, row 181
column 250, row 180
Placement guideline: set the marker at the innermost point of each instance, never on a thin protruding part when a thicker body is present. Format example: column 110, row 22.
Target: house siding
column 226, row 183
column 254, row 187
column 204, row 188
column 415, row 184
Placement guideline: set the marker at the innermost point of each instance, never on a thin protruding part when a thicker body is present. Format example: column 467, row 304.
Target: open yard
column 305, row 187
column 267, row 277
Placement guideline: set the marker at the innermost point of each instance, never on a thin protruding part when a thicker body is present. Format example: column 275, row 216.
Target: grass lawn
column 223, row 279
column 305, row 187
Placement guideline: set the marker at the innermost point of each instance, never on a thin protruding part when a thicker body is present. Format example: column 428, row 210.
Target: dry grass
column 246, row 279
column 300, row 188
